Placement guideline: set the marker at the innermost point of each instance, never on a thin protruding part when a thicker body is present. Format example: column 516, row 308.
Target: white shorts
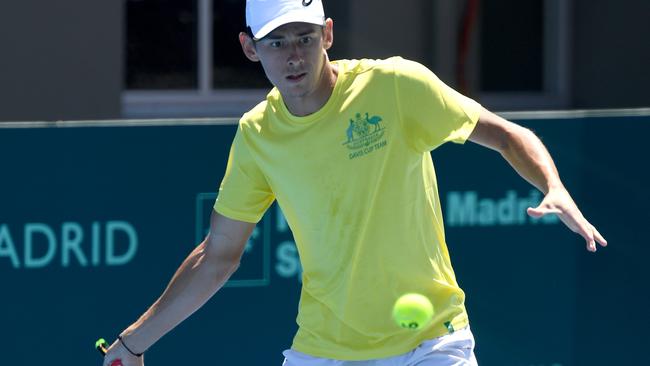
column 456, row 349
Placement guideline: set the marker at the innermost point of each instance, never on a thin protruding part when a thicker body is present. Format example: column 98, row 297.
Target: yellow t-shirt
column 356, row 183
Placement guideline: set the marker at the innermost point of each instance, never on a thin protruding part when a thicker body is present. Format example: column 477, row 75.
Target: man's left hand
column 559, row 202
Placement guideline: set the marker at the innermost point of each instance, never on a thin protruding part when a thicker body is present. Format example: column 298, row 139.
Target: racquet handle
column 101, row 345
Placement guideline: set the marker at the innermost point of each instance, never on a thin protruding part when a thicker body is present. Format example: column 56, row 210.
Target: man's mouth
column 296, row 77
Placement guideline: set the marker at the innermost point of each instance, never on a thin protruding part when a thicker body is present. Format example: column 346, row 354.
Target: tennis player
column 344, row 147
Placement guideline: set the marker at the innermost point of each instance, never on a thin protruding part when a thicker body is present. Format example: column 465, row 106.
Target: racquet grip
column 100, row 345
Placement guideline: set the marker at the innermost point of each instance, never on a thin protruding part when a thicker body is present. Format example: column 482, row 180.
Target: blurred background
column 116, row 118
column 89, row 59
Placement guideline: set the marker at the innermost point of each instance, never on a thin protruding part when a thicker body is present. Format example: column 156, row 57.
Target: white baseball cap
column 263, row 16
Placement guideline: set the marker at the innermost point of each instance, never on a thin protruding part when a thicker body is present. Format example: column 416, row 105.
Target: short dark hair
column 249, row 31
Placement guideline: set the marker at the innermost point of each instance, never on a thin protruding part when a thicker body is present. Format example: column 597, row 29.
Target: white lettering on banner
column 30, row 231
column 95, row 243
column 7, row 247
column 281, row 224
column 111, row 228
column 288, row 264
column 467, row 209
column 40, row 245
column 288, row 261
column 71, row 236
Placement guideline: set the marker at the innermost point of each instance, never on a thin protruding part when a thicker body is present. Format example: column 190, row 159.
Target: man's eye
column 276, row 44
column 305, row 40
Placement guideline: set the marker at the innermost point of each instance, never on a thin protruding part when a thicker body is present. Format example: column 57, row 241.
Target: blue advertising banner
column 95, row 220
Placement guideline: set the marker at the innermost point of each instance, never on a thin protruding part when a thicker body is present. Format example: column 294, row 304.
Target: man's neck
column 313, row 102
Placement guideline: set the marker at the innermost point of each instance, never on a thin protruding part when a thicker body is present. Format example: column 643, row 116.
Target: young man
column 344, row 149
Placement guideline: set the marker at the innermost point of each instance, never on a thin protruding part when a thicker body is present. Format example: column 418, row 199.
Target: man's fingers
column 534, row 212
column 591, row 245
column 592, row 236
column 541, row 210
column 585, row 230
column 538, row 211
column 599, row 238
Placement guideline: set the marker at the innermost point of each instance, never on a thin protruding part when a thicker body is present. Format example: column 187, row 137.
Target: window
column 515, row 57
column 523, row 54
column 161, row 45
column 183, row 59
column 512, row 44
column 231, row 69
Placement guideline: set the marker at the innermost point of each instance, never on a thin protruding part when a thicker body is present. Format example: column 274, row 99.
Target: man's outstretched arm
column 528, row 156
column 199, row 277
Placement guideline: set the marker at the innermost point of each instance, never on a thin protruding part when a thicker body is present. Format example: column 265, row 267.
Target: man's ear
column 328, row 34
column 248, row 46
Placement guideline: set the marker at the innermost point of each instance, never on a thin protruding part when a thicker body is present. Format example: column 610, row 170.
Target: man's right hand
column 117, row 351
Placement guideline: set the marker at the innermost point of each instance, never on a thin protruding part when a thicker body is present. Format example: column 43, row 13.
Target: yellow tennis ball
column 412, row 311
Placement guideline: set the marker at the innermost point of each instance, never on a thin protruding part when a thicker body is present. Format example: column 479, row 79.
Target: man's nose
column 295, row 55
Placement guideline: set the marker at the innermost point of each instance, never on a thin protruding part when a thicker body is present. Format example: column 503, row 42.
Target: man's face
column 292, row 56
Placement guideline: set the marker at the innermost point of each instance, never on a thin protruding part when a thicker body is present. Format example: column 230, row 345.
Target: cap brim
column 292, row 17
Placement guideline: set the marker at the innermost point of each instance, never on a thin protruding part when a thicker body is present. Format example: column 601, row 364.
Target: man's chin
column 294, row 91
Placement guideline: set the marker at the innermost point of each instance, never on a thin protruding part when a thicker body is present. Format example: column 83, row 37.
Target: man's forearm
column 528, row 156
column 197, row 279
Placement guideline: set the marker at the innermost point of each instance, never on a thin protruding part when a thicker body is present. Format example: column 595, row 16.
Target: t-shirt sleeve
column 244, row 193
column 431, row 112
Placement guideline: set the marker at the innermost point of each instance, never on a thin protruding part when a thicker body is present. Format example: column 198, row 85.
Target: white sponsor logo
column 112, row 243
column 468, row 209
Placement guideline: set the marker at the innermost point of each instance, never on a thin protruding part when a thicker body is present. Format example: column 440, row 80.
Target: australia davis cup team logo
column 364, row 133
